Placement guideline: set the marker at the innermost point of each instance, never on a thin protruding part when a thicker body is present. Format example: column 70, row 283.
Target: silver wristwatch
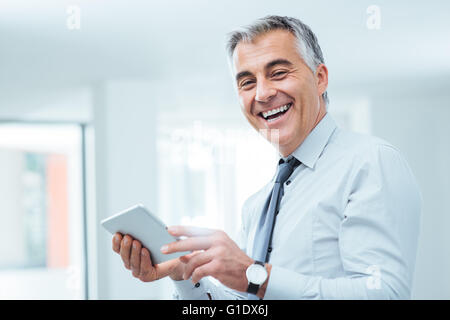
column 256, row 275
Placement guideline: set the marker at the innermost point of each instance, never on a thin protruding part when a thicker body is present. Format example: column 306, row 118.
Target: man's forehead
column 277, row 44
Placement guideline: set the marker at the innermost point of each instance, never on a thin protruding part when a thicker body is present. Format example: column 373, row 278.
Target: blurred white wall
column 126, row 174
column 132, row 62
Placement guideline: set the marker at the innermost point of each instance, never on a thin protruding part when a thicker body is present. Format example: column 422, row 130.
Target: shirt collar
column 311, row 148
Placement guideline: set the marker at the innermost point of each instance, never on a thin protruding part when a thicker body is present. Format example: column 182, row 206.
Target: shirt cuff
column 186, row 290
column 285, row 284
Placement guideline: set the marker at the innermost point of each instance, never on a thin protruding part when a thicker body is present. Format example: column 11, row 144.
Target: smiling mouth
column 272, row 115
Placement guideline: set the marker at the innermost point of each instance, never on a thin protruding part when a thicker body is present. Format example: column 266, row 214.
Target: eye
column 279, row 74
column 246, row 83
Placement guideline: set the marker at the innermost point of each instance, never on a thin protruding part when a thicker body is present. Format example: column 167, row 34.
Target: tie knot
column 285, row 169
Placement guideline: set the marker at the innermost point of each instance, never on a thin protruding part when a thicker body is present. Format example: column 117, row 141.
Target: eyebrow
column 266, row 67
column 277, row 62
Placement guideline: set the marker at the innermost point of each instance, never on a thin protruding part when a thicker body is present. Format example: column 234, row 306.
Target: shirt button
column 269, row 249
column 288, row 182
column 197, row 284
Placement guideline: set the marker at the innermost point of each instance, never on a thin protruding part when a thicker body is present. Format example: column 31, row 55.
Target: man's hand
column 137, row 259
column 221, row 258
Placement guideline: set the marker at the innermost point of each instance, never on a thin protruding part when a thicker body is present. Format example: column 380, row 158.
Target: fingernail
column 172, row 229
column 164, row 248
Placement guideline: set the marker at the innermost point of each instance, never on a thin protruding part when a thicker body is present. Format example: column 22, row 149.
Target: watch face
column 256, row 274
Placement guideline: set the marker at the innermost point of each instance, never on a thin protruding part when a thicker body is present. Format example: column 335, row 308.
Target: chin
column 278, row 139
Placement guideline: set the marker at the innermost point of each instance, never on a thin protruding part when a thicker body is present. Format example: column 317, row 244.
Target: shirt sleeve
column 205, row 289
column 378, row 237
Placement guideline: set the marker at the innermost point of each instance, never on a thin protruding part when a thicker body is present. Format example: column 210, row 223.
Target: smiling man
column 339, row 220
column 277, row 89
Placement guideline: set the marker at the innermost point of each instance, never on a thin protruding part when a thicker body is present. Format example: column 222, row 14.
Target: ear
column 322, row 79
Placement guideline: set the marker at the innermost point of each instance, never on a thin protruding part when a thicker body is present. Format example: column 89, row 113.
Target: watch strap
column 259, row 262
column 252, row 288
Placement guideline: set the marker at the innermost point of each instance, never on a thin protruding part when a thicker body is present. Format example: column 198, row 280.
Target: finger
column 202, row 271
column 165, row 268
column 189, row 244
column 116, row 242
column 125, row 250
column 146, row 266
column 188, row 231
column 135, row 258
column 196, row 262
column 187, row 257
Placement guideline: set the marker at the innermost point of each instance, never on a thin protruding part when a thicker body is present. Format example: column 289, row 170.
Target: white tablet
column 144, row 226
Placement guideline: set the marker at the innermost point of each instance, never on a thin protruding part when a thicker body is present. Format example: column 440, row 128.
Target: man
column 340, row 219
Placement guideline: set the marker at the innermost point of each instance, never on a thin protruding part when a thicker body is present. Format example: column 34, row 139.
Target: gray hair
column 307, row 43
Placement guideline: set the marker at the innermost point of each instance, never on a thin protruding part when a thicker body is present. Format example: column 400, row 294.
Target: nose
column 264, row 91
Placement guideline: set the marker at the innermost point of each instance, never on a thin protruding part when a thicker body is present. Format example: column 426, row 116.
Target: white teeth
column 270, row 120
column 275, row 111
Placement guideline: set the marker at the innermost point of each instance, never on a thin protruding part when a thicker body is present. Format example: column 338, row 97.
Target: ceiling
column 175, row 40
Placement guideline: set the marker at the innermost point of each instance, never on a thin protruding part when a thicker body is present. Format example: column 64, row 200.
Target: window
column 208, row 169
column 41, row 211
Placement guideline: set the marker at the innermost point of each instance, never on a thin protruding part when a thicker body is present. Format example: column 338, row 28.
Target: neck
column 287, row 150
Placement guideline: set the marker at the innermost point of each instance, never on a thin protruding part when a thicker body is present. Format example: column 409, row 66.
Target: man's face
column 277, row 90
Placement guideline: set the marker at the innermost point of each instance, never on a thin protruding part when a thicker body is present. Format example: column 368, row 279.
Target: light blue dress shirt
column 347, row 228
